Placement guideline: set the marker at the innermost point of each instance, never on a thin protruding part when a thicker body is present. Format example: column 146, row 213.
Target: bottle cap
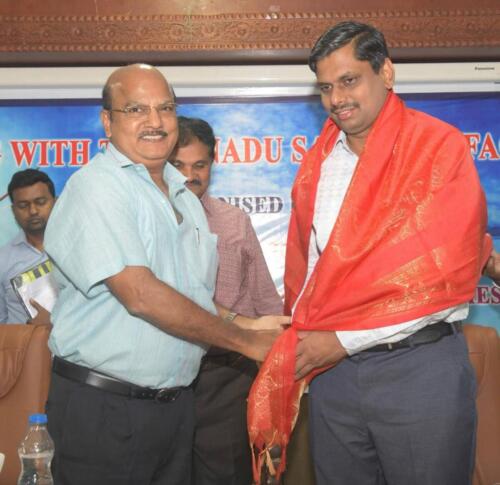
column 37, row 419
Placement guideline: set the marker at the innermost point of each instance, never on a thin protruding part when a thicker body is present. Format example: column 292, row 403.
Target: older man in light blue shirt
column 136, row 267
column 97, row 229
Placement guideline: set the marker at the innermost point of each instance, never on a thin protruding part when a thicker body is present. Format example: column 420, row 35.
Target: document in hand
column 36, row 283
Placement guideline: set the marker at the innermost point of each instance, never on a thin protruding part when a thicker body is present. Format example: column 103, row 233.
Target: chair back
column 484, row 353
column 25, row 364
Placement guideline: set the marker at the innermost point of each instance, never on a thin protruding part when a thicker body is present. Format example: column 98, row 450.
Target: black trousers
column 299, row 466
column 221, row 454
column 104, row 438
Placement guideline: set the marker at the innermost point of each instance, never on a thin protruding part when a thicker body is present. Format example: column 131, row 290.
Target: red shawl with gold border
column 409, row 241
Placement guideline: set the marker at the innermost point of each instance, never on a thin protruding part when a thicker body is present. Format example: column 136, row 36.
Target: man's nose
column 337, row 97
column 154, row 118
column 33, row 208
column 188, row 172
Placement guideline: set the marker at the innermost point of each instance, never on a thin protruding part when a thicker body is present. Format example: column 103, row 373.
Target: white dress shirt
column 336, row 174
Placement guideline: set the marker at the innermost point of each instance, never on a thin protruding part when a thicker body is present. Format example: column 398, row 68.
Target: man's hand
column 270, row 322
column 259, row 342
column 267, row 322
column 43, row 315
column 492, row 268
column 317, row 349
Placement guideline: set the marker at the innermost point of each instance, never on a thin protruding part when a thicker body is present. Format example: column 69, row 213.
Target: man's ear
column 388, row 74
column 106, row 122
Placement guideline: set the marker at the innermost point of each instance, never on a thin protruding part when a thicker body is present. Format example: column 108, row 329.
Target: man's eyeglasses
column 143, row 111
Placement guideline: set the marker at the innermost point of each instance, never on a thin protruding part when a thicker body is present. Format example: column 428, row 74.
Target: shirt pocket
column 233, row 264
column 200, row 247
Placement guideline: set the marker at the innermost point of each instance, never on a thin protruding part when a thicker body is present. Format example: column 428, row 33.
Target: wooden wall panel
column 96, row 32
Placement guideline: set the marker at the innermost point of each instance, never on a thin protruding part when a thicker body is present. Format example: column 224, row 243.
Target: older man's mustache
column 145, row 134
column 193, row 182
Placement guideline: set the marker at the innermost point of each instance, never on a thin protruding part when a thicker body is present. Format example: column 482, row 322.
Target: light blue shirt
column 15, row 257
column 109, row 216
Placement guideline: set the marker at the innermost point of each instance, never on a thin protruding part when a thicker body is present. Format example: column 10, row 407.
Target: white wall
column 196, row 81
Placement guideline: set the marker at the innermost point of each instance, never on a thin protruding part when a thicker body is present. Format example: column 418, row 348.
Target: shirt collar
column 121, row 159
column 20, row 239
column 172, row 176
column 342, row 142
column 175, row 180
column 206, row 202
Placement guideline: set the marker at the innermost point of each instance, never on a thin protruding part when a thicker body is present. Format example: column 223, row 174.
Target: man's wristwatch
column 230, row 317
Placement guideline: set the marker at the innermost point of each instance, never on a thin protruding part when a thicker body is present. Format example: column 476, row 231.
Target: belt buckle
column 166, row 395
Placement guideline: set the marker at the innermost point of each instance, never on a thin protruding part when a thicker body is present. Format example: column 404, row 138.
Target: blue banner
column 260, row 146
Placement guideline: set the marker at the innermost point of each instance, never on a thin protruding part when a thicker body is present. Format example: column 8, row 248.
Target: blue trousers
column 401, row 417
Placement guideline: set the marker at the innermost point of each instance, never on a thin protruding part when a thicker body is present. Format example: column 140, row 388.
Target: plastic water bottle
column 36, row 452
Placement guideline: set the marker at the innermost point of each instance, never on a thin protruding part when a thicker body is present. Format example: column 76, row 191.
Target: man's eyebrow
column 343, row 77
column 140, row 103
column 347, row 75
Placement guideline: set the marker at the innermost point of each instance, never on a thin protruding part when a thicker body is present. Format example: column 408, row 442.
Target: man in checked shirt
column 244, row 285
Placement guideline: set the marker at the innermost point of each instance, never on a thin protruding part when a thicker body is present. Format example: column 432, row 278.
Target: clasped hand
column 261, row 333
column 315, row 350
column 492, row 268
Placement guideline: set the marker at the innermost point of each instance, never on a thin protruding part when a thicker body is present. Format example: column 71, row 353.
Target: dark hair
column 195, row 128
column 368, row 42
column 28, row 177
column 106, row 97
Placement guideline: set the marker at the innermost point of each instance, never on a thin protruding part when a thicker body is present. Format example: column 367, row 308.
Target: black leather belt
column 84, row 375
column 426, row 335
